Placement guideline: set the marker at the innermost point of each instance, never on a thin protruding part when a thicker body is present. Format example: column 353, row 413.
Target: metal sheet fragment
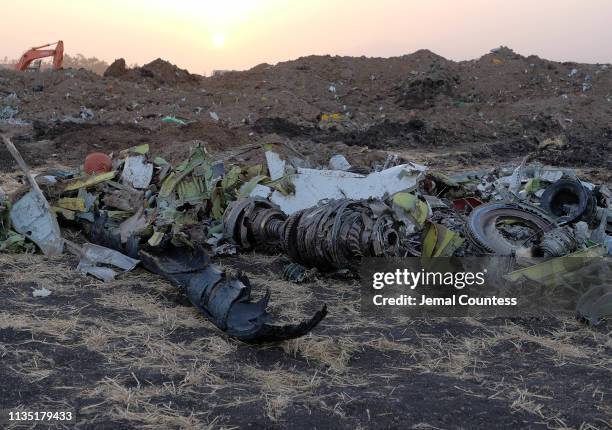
column 551, row 272
column 133, row 225
column 137, row 172
column 32, row 215
column 276, row 166
column 595, row 306
column 72, row 203
column 312, row 186
column 100, row 261
column 440, row 241
column 339, row 162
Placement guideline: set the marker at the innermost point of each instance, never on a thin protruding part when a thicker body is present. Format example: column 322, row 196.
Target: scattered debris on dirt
column 224, row 299
column 293, row 173
column 165, row 216
column 494, row 109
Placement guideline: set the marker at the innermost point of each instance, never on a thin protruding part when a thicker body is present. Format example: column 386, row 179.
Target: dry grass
column 282, row 387
column 150, row 362
column 133, row 405
column 334, row 353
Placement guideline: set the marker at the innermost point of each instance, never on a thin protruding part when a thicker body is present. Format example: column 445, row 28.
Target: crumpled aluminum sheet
column 95, row 260
column 31, row 217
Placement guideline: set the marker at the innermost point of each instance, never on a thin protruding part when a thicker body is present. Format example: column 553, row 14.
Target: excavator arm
column 39, row 52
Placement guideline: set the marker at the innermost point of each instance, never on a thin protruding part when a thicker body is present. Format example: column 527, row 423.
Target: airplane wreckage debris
column 224, row 299
column 140, row 209
column 334, row 235
column 481, row 227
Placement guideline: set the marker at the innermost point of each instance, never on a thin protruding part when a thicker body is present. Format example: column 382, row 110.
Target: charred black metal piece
column 556, row 243
column 570, row 201
column 225, row 300
column 335, row 235
column 297, row 273
column 254, row 222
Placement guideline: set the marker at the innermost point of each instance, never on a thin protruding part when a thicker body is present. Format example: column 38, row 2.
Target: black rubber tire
column 483, row 218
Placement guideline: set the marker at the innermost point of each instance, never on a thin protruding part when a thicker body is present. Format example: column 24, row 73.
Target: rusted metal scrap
column 224, row 299
column 335, row 235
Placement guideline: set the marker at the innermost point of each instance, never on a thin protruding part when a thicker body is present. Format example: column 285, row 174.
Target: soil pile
column 167, row 73
column 161, row 72
column 499, row 107
column 117, row 69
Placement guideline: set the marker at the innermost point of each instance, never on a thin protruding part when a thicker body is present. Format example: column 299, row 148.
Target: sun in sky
column 218, row 40
column 215, row 17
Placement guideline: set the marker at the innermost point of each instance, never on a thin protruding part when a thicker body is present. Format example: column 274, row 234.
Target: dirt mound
column 75, row 141
column 117, row 69
column 159, row 72
column 167, row 73
column 449, row 115
column 497, row 106
column 422, row 89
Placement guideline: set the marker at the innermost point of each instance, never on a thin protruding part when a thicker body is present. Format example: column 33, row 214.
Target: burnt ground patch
column 128, row 354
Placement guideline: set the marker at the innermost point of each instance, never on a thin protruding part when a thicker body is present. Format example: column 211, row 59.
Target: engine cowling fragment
column 570, row 201
column 224, row 299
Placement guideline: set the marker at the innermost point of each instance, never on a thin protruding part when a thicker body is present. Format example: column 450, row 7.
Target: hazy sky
column 203, row 35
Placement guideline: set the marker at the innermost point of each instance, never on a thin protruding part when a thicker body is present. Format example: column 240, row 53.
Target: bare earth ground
column 134, row 354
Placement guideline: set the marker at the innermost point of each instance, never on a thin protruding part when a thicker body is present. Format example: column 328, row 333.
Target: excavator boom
column 37, row 52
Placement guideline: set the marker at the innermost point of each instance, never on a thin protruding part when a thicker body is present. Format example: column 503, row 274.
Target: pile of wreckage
column 139, row 209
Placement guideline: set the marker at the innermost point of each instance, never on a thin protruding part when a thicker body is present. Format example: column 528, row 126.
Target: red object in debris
column 467, row 204
column 97, row 162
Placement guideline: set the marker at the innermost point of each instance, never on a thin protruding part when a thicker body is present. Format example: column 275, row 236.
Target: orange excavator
column 39, row 52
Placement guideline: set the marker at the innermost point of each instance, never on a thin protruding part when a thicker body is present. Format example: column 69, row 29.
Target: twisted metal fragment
column 556, row 243
column 570, row 201
column 224, row 299
column 335, row 235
